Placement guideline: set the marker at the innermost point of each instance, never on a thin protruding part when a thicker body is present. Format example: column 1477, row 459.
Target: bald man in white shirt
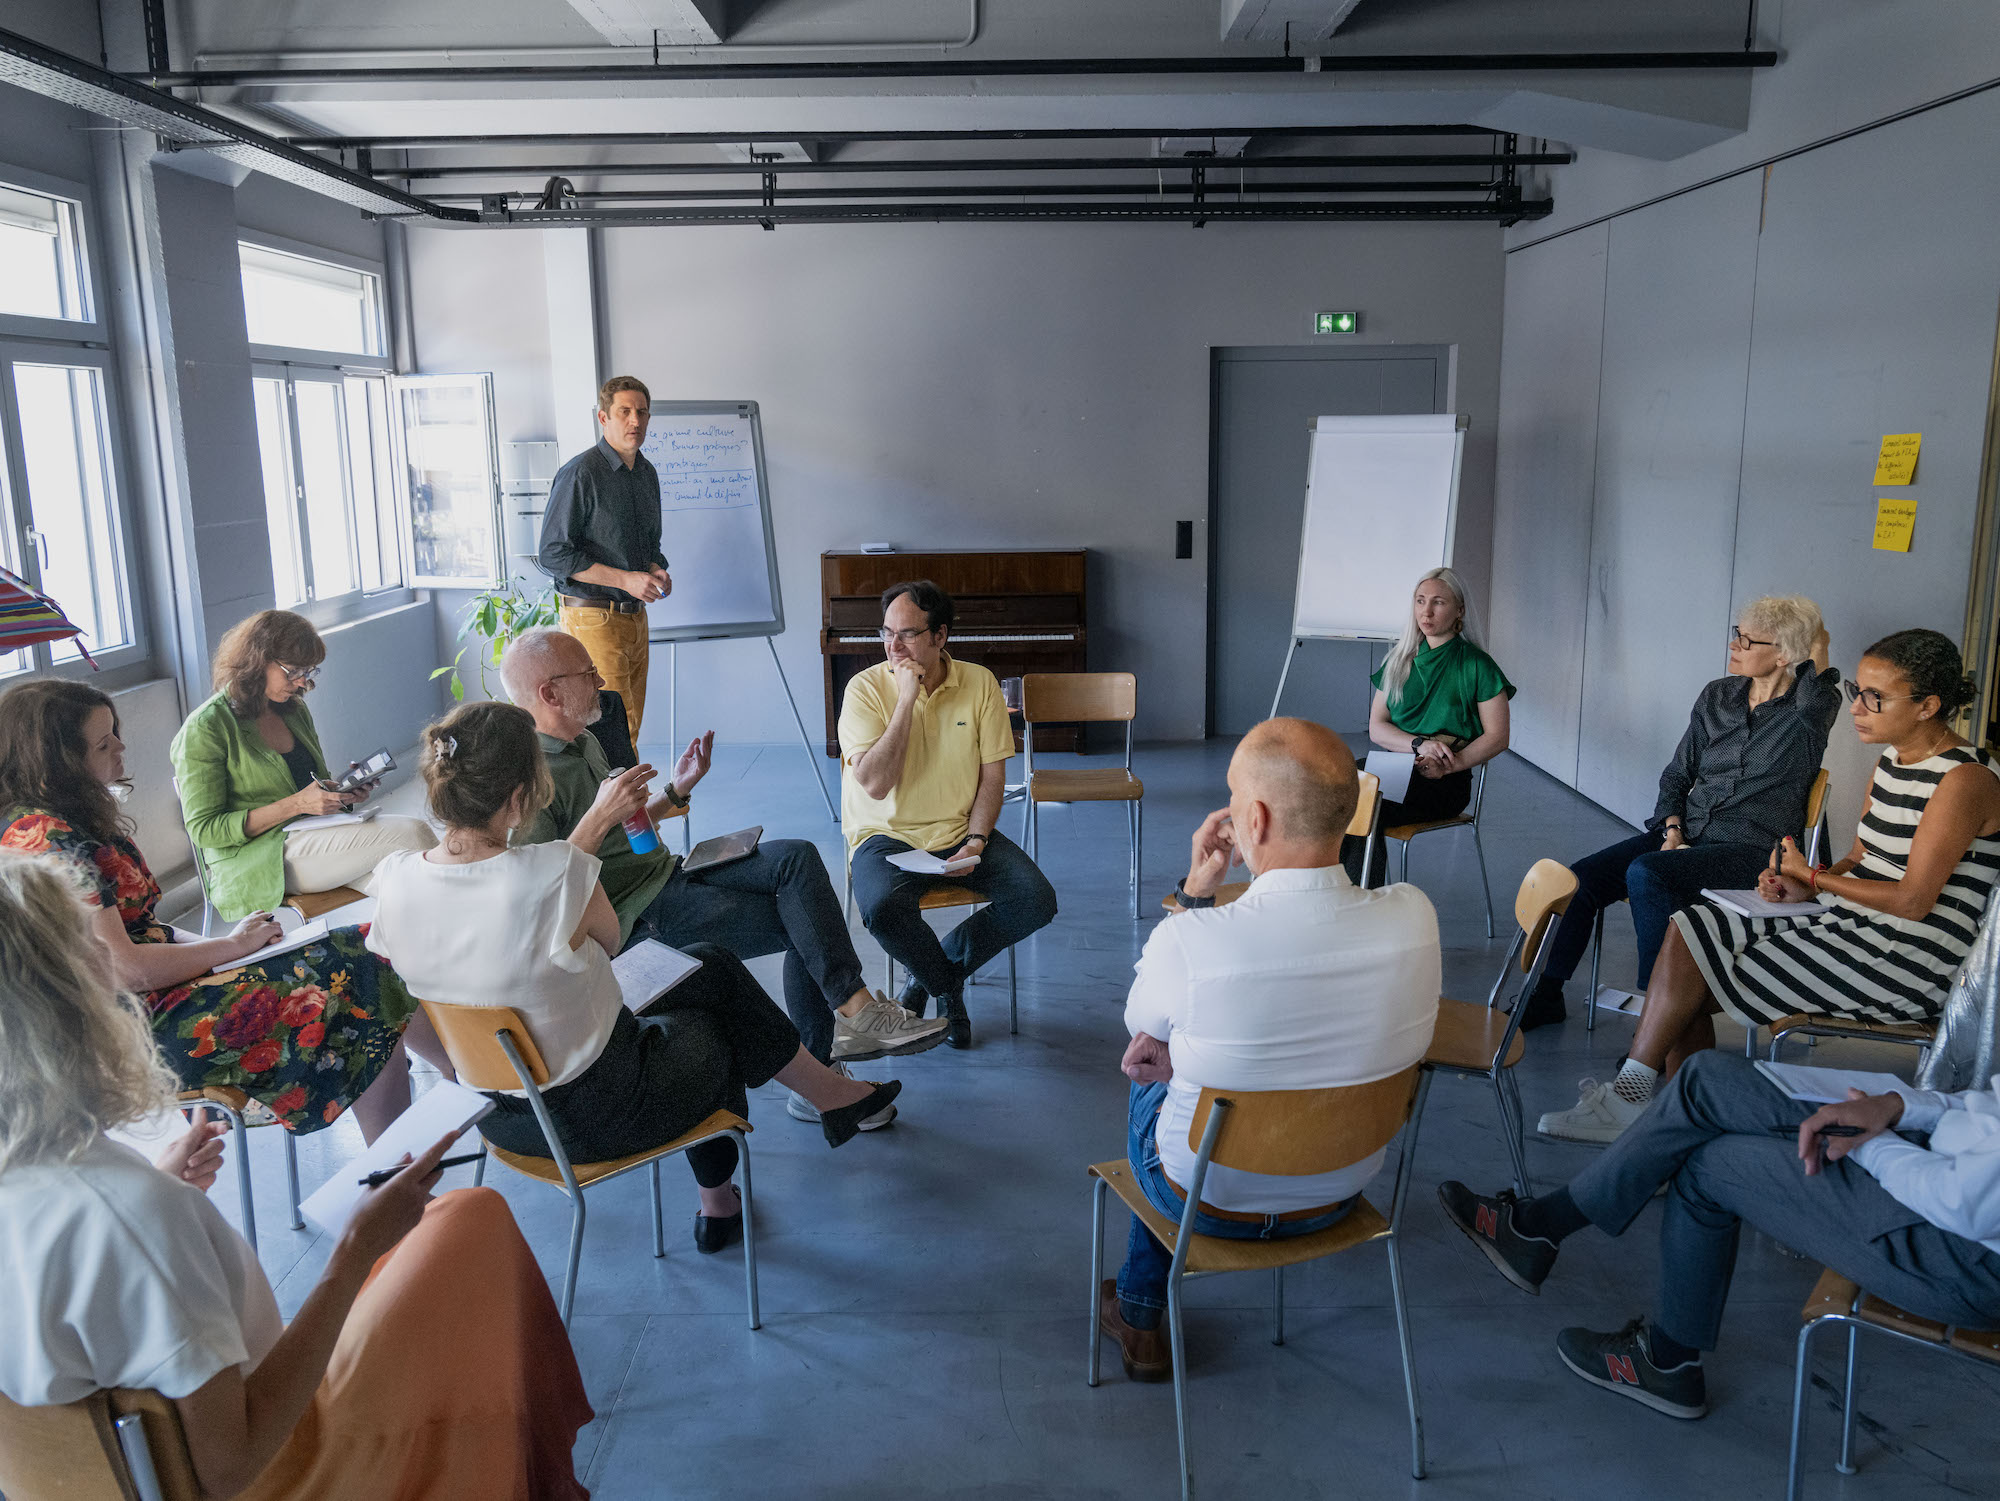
column 1303, row 982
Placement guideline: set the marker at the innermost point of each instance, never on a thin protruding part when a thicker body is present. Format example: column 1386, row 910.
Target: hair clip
column 447, row 747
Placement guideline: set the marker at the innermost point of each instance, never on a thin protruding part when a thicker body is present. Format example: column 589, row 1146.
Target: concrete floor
column 924, row 1290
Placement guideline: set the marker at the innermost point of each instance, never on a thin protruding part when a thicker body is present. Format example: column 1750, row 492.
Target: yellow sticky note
column 1895, row 523
column 1896, row 464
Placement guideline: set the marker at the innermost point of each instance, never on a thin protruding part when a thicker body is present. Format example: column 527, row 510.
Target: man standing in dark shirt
column 601, row 543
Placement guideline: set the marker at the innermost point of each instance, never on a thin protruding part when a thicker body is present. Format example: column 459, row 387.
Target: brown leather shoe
column 1147, row 1354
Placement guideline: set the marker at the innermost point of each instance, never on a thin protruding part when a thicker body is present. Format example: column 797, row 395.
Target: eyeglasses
column 586, row 672
column 1872, row 699
column 1738, row 639
column 906, row 637
column 299, row 675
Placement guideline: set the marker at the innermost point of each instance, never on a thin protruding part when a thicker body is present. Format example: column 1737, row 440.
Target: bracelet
column 1812, row 878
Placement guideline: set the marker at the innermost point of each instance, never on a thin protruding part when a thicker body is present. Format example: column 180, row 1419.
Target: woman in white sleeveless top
column 1906, row 902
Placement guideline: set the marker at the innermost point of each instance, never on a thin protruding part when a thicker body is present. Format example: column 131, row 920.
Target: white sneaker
column 799, row 1108
column 1601, row 1115
column 881, row 1026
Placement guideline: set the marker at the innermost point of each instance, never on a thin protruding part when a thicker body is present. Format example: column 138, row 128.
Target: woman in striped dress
column 1906, row 902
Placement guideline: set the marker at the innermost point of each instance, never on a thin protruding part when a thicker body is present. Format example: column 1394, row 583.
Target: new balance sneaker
column 1623, row 1363
column 1524, row 1260
column 1601, row 1116
column 881, row 1026
column 799, row 1108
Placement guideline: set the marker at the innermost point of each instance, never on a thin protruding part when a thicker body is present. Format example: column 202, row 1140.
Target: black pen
column 382, row 1175
column 1823, row 1131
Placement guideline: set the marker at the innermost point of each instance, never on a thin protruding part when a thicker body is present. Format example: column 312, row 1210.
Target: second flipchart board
column 1381, row 511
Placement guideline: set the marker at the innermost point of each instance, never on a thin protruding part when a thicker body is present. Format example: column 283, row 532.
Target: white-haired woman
column 429, row 1359
column 1438, row 695
column 1737, row 785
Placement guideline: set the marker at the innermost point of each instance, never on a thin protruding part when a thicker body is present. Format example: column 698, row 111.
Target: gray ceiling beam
column 737, row 137
column 1209, row 209
column 980, row 164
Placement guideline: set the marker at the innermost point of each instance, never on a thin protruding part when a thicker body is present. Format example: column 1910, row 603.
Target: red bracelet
column 1812, row 878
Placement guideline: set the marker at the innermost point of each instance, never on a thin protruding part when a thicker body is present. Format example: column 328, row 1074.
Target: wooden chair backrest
column 1816, row 799
column 1364, row 810
column 72, row 1451
column 1076, row 697
column 467, row 1033
column 1543, row 897
column 1291, row 1132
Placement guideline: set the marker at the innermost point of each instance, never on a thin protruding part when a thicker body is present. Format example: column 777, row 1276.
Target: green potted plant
column 496, row 615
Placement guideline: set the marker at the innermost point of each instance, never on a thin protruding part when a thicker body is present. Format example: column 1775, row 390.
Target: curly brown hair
column 42, row 751
column 252, row 645
column 477, row 757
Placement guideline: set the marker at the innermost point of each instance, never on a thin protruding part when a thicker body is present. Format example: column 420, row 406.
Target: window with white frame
column 41, row 257
column 322, row 397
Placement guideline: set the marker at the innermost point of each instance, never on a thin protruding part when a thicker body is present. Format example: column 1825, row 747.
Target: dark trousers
column 1427, row 798
column 1709, row 1136
column 776, row 899
column 1021, row 898
column 1657, row 882
column 700, row 1048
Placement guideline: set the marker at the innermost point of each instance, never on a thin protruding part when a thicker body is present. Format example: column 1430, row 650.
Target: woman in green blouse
column 1441, row 697
column 248, row 763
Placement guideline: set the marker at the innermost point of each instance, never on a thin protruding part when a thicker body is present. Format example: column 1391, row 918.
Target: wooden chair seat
column 950, row 896
column 1114, row 786
column 312, row 904
column 1209, row 1253
column 545, row 1170
column 1835, row 1294
column 1915, row 1034
column 1224, row 895
column 1467, row 1036
column 1407, row 831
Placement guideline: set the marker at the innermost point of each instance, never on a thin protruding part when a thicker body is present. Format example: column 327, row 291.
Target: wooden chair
column 1082, row 698
column 491, row 1050
column 1815, row 810
column 1367, row 814
column 1482, row 1041
column 1835, row 1300
column 117, row 1445
column 933, row 900
column 1289, row 1132
column 1405, row 834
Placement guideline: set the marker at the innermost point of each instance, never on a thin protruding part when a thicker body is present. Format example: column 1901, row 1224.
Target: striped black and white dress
column 1854, row 962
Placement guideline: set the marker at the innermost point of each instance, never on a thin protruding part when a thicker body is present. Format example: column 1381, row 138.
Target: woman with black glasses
column 248, row 763
column 1736, row 785
column 1900, row 912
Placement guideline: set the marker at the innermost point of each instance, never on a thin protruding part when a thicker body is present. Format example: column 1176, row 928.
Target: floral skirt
column 304, row 1033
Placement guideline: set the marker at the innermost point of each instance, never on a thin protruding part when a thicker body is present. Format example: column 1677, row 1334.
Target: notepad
column 329, row 820
column 1394, row 769
column 1750, row 904
column 923, row 863
column 298, row 938
column 1825, row 1086
column 1624, row 1002
column 648, row 970
column 439, row 1111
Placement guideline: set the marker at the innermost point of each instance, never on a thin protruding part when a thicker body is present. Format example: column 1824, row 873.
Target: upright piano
column 1017, row 612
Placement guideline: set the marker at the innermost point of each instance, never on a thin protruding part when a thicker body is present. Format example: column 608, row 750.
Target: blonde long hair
column 1396, row 666
column 76, row 1055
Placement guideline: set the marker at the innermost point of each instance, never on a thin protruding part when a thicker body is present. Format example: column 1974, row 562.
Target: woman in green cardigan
column 1440, row 697
column 248, row 762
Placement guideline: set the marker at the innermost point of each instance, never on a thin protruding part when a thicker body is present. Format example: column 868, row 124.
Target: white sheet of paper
column 330, row 820
column 1750, row 904
column 1395, row 768
column 924, row 863
column 648, row 970
column 1825, row 1086
column 297, row 938
column 440, row 1110
column 1624, row 1002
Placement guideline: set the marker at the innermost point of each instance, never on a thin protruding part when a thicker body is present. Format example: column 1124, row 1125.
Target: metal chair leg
column 659, row 1219
column 1484, row 884
column 1845, row 1465
column 749, row 1229
column 1511, row 1128
column 1596, row 955
column 1417, row 1469
column 1278, row 1291
column 1013, row 999
column 239, row 1139
column 1801, row 1374
column 1097, row 1188
column 292, row 1176
column 1137, row 862
column 1174, row 1334
column 479, row 1169
column 575, row 1256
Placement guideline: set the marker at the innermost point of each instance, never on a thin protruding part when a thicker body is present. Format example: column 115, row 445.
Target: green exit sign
column 1337, row 323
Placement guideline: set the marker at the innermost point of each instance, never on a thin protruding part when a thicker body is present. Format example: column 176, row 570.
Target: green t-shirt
column 631, row 881
column 1444, row 690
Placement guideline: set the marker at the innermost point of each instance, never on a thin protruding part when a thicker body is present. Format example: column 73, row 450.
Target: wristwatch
column 1190, row 903
column 1417, row 743
column 673, row 795
column 984, row 839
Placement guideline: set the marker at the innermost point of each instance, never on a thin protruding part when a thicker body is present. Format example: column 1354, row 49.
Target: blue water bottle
column 639, row 834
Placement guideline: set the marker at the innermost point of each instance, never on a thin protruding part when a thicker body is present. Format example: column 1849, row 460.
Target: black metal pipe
column 739, row 138
column 1001, row 67
column 1533, row 208
column 988, row 190
column 975, row 164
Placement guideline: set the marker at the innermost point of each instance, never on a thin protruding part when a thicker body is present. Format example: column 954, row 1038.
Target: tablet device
column 723, row 849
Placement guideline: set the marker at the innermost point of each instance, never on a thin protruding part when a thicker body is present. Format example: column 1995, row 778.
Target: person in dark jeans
column 1917, row 1226
column 924, row 743
column 1737, row 785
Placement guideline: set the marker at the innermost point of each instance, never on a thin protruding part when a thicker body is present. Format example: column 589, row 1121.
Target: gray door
column 1263, row 401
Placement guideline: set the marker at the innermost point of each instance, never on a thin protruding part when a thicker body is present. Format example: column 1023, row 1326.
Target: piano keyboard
column 967, row 637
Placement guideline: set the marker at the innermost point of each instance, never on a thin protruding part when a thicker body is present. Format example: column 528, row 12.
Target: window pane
column 323, row 473
column 21, row 660
column 281, row 506
column 377, row 537
column 64, row 441
column 451, row 486
column 41, row 256
column 307, row 304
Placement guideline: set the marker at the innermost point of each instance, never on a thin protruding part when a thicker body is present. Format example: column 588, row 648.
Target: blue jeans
column 1657, row 882
column 1020, row 896
column 1142, row 1281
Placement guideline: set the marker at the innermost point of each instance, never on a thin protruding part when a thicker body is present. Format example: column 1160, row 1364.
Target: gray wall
column 1698, row 388
column 977, row 386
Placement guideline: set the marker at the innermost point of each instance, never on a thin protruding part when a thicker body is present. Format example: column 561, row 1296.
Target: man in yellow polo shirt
column 924, row 742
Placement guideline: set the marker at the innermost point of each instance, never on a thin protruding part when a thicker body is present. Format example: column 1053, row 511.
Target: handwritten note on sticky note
column 1896, row 464
column 1895, row 523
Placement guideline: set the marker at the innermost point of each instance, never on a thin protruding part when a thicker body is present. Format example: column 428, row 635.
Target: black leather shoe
column 1543, row 1007
column 959, row 1033
column 914, row 999
column 840, row 1125
column 714, row 1233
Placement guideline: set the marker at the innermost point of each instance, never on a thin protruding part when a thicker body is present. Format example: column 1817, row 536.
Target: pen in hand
column 382, row 1175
